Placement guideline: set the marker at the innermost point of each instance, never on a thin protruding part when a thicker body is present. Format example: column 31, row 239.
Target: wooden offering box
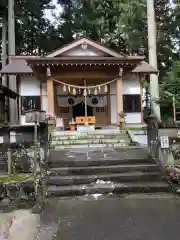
column 85, row 120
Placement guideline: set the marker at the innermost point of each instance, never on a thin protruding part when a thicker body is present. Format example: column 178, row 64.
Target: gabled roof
column 87, row 41
column 132, row 60
column 144, row 67
column 18, row 66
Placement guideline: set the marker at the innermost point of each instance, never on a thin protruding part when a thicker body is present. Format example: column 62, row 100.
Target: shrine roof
column 84, row 60
column 145, row 67
column 81, row 52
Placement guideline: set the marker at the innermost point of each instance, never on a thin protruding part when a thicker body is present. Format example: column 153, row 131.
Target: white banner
column 66, row 101
column 97, row 101
column 93, row 101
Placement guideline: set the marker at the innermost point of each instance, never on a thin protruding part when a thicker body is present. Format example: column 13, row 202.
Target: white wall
column 133, row 118
column 131, row 85
column 44, row 97
column 30, row 86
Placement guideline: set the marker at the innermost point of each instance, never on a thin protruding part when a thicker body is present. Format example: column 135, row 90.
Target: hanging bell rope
column 84, row 87
column 74, row 91
column 85, row 93
column 95, row 92
column 64, row 88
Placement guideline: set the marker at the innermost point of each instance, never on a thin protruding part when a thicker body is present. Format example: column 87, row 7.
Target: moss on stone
column 16, row 178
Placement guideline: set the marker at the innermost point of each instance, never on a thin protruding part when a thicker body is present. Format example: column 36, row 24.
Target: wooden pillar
column 141, row 95
column 119, row 95
column 109, row 106
column 4, row 48
column 50, row 95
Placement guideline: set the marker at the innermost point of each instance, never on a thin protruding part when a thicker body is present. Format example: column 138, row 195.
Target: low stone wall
column 23, row 137
column 166, row 156
column 21, row 190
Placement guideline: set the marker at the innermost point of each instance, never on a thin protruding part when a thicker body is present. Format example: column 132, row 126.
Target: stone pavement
column 95, row 217
column 19, row 225
column 149, row 217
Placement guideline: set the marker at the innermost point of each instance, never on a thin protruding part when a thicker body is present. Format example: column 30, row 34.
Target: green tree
column 169, row 87
column 174, row 29
column 119, row 24
column 165, row 48
column 131, row 25
column 34, row 33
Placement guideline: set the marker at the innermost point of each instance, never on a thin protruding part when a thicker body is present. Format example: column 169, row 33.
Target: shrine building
column 81, row 78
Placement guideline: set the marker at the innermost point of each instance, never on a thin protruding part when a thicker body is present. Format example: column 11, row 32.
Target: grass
column 15, row 178
column 136, row 128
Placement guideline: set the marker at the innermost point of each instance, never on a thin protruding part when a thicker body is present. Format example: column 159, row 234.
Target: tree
column 131, row 25
column 169, row 87
column 165, row 53
column 118, row 24
column 174, row 29
column 66, row 20
column 34, row 33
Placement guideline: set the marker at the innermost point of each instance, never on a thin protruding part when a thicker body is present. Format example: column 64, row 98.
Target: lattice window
column 132, row 103
column 100, row 109
column 64, row 109
column 30, row 102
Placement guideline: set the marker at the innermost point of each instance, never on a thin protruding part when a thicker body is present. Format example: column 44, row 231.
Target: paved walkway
column 112, row 218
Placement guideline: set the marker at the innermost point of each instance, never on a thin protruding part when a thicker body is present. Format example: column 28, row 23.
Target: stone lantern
column 36, row 117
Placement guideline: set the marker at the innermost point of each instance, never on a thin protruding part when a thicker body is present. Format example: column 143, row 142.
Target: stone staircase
column 93, row 139
column 103, row 171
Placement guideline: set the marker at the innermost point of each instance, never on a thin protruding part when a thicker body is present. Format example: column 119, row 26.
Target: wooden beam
column 50, row 94
column 119, row 96
column 109, row 106
column 141, row 93
column 84, row 75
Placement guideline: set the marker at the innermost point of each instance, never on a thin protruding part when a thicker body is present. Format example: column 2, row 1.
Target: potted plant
column 51, row 119
column 51, row 123
column 122, row 121
column 72, row 125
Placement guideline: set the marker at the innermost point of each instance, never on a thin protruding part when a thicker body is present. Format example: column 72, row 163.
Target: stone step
column 56, row 160
column 65, row 171
column 95, row 132
column 92, row 146
column 118, row 188
column 89, row 141
column 81, row 137
column 113, row 177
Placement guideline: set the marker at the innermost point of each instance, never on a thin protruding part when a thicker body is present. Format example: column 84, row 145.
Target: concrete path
column 19, row 225
column 131, row 217
column 112, row 218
